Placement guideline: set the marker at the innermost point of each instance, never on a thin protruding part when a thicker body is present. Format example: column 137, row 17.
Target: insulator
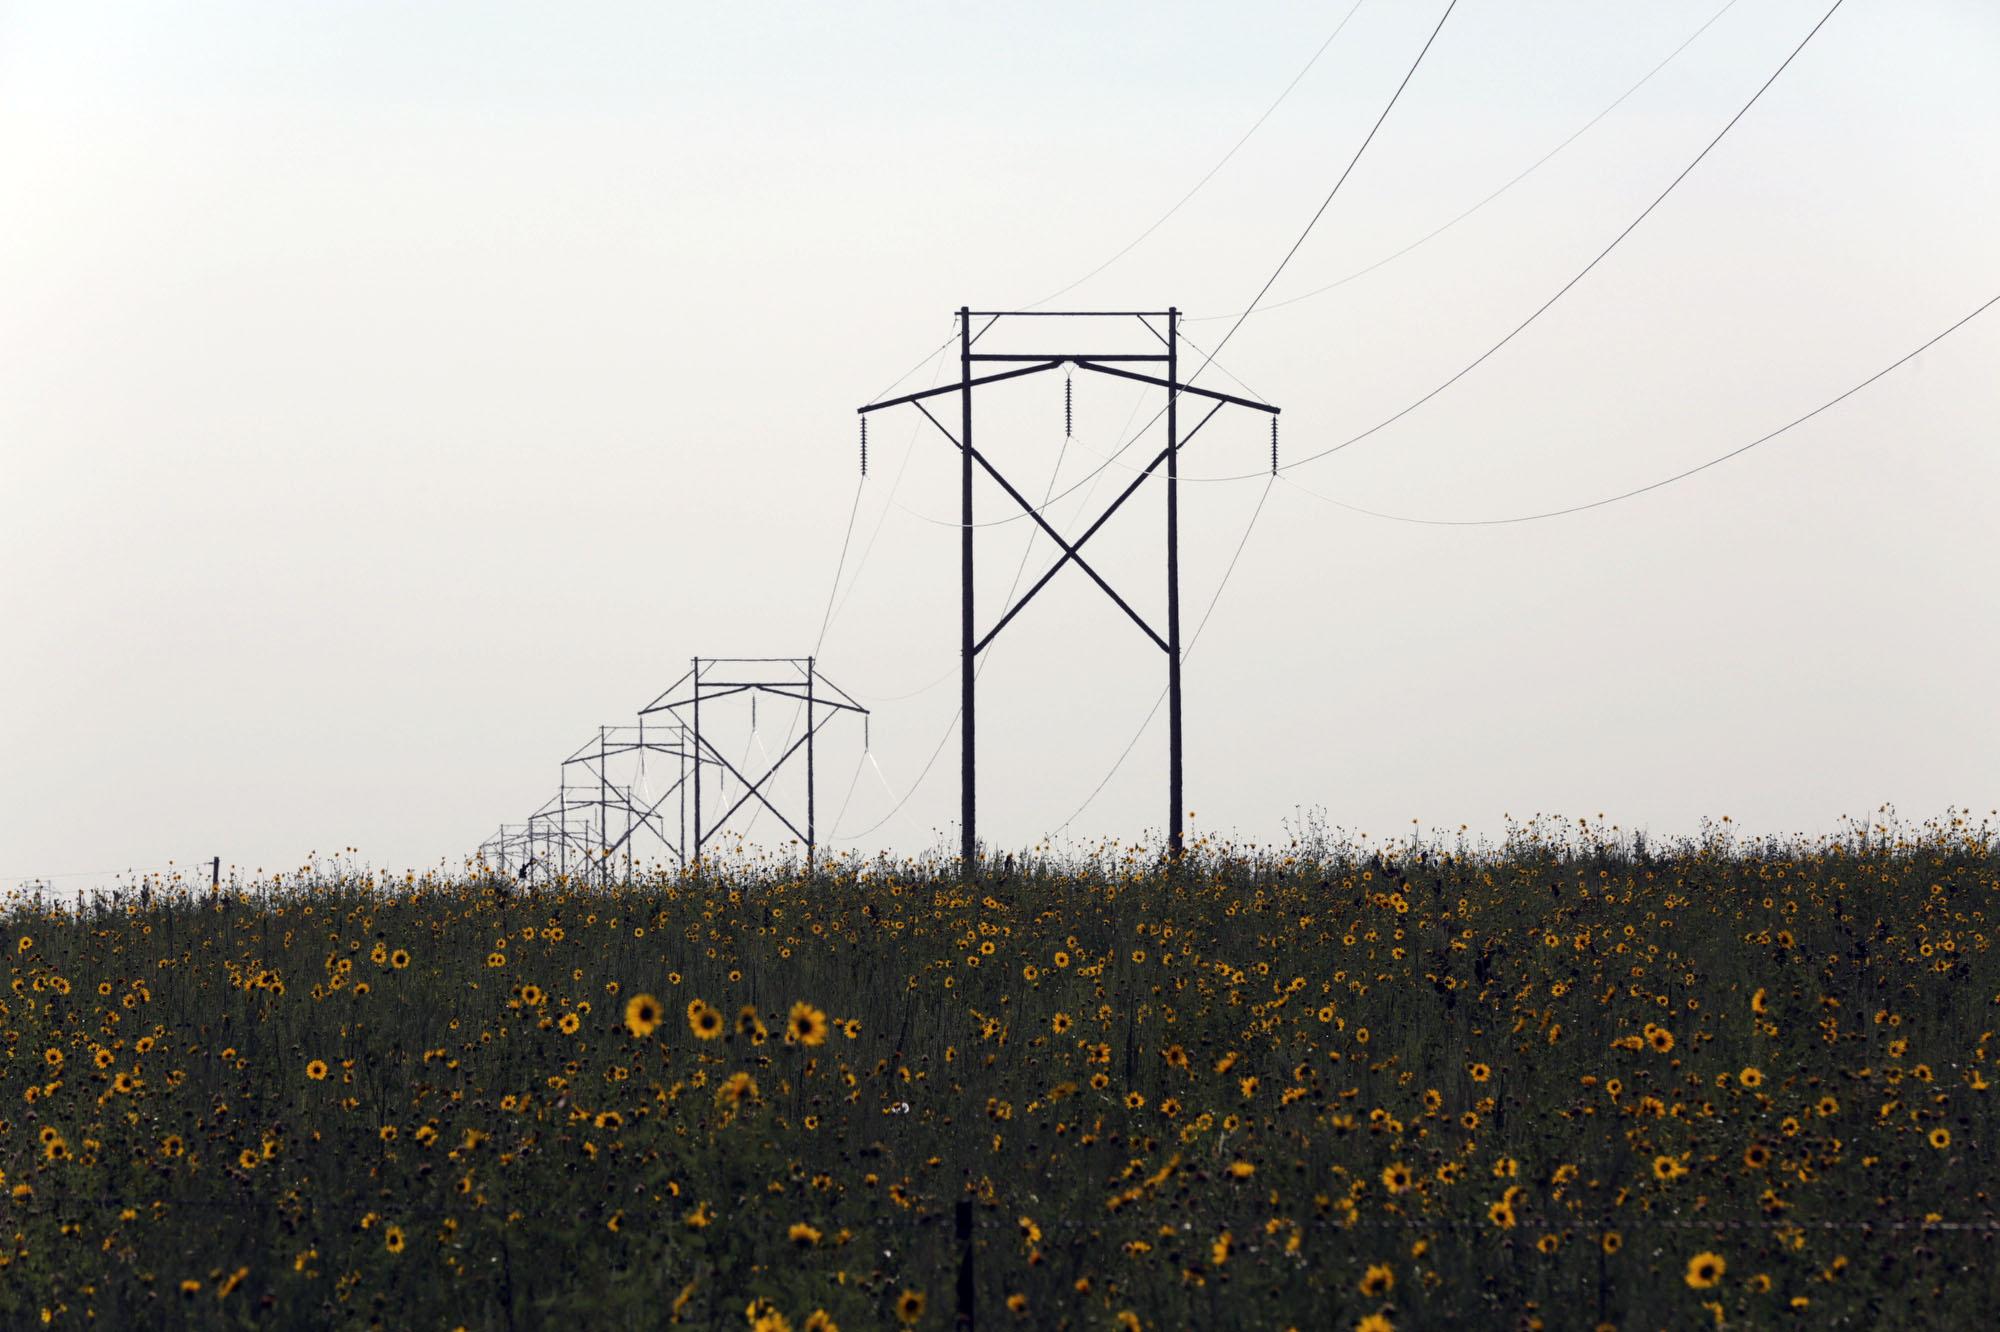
column 866, row 747
column 1274, row 446
column 864, row 446
column 1068, row 415
column 753, row 714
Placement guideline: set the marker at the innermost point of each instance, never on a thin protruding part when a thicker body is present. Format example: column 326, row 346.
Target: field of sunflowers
column 1569, row 1081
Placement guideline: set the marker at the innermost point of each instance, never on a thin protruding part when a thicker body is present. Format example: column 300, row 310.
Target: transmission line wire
column 1221, row 162
column 1677, row 476
column 1564, row 290
column 1530, row 170
column 1186, row 652
column 1209, row 358
column 1328, row 201
column 834, row 591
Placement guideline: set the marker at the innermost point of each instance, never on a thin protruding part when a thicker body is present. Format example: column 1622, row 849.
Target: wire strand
column 1529, row 170
column 1664, row 481
column 1221, row 162
column 1582, row 273
column 1186, row 652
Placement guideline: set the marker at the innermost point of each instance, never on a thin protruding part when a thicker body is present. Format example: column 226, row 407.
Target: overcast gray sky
column 389, row 395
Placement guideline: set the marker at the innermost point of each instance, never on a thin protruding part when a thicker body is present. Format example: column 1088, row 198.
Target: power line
column 833, row 591
column 1565, row 288
column 979, row 668
column 1153, row 711
column 1530, row 170
column 1328, row 201
column 1209, row 358
column 1220, row 163
column 1665, row 481
column 909, row 446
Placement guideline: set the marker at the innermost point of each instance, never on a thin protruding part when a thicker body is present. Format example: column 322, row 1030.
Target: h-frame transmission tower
column 606, row 803
column 1164, row 326
column 816, row 702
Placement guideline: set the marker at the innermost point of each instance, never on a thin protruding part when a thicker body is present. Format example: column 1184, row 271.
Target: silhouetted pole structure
column 968, row 789
column 970, row 642
column 1176, row 806
column 812, row 800
column 795, row 679
column 695, row 679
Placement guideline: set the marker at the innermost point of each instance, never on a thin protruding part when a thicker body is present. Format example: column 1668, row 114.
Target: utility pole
column 796, row 680
column 971, row 643
column 812, row 797
column 1176, row 803
column 968, row 787
column 694, row 679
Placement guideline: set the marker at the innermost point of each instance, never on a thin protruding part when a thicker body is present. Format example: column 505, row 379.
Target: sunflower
column 392, row 1239
column 1660, row 1039
column 1704, row 1270
column 802, row 1235
column 1375, row 1322
column 1751, row 1076
column 1667, row 1168
column 1378, row 1280
column 704, row 1021
column 1501, row 1214
column 1756, row 1156
column 1059, row 1024
column 399, row 959
column 1940, row 1138
column 807, row 1025
column 316, row 1070
column 642, row 1015
column 737, row 1088
column 909, row 1307
column 1396, row 1177
column 1611, row 1241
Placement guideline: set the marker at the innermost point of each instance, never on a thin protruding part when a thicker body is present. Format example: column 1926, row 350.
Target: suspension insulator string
column 1274, row 446
column 1069, row 418
column 864, row 448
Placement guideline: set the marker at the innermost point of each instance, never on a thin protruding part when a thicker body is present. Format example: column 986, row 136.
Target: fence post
column 962, row 1217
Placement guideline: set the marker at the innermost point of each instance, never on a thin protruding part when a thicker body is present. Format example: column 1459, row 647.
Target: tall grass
column 1562, row 1081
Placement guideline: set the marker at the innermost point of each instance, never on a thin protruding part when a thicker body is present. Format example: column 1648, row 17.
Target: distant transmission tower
column 713, row 681
column 1164, row 326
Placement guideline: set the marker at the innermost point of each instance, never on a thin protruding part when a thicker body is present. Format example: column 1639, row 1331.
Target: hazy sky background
column 389, row 395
